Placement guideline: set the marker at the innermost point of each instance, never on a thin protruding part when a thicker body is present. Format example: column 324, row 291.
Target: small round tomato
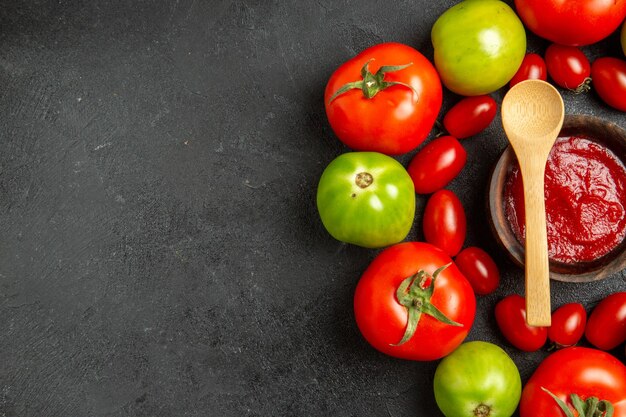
column 413, row 303
column 572, row 22
column 568, row 325
column 511, row 319
column 367, row 199
column 444, row 222
column 575, row 378
column 478, row 46
column 609, row 81
column 477, row 379
column 436, row 164
column 385, row 99
column 479, row 269
column 568, row 67
column 470, row 116
column 606, row 327
column 533, row 68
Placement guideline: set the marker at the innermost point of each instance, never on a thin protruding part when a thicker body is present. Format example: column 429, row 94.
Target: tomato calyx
column 372, row 84
column 414, row 293
column 583, row 87
column 591, row 407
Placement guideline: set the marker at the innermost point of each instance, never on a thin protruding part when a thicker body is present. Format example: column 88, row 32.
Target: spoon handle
column 537, row 267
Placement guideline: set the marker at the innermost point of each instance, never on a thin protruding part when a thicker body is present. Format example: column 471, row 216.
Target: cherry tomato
column 572, row 22
column 511, row 319
column 533, row 68
column 606, row 327
column 590, row 375
column 609, row 81
column 385, row 99
column 444, row 222
column 479, row 269
column 413, row 303
column 568, row 67
column 470, row 116
column 436, row 164
column 568, row 325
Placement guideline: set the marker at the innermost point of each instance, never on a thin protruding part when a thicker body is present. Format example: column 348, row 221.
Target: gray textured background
column 160, row 251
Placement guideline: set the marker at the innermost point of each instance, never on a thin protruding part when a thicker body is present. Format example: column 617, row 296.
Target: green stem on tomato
column 372, row 84
column 591, row 407
column 414, row 293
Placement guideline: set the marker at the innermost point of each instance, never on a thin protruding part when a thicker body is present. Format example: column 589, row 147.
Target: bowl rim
column 609, row 264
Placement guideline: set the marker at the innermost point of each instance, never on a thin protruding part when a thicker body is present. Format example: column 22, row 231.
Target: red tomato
column 609, row 81
column 479, row 269
column 385, row 99
column 568, row 325
column 470, row 116
column 575, row 370
column 568, row 67
column 533, row 68
column 436, row 164
column 444, row 222
column 572, row 22
column 400, row 283
column 511, row 319
column 606, row 327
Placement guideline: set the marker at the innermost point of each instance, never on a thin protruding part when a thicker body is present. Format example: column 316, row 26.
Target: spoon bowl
column 532, row 116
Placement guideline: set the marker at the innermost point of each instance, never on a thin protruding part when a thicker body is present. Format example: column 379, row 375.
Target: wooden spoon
column 532, row 116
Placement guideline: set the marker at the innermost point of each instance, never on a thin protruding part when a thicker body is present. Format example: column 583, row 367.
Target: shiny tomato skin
column 572, row 22
column 511, row 319
column 371, row 215
column 397, row 119
column 382, row 320
column 609, row 81
column 567, row 65
column 444, row 222
column 574, row 370
column 436, row 164
column 478, row 46
column 479, row 268
column 470, row 116
column 568, row 325
column 533, row 68
column 477, row 379
column 606, row 327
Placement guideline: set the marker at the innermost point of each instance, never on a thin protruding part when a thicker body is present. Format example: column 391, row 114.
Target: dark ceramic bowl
column 608, row 134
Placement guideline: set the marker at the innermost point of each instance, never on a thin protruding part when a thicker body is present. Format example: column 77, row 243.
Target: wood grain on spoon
column 532, row 116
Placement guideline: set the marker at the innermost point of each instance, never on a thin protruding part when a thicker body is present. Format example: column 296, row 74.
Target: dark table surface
column 161, row 252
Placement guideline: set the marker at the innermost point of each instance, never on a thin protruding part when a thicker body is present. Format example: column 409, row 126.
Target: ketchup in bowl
column 585, row 194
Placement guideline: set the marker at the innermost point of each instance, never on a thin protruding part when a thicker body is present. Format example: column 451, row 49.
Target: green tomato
column 367, row 199
column 477, row 379
column 479, row 46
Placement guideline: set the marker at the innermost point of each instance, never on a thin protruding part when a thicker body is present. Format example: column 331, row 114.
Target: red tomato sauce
column 585, row 192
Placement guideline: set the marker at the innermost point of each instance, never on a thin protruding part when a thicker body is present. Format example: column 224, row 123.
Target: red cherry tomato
column 533, row 68
column 568, row 67
column 385, row 99
column 606, row 327
column 470, row 116
column 444, row 222
column 572, row 22
column 436, row 164
column 479, row 269
column 402, row 282
column 609, row 81
column 511, row 319
column 568, row 325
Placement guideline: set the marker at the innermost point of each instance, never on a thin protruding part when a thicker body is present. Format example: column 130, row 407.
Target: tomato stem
column 414, row 293
column 372, row 84
column 583, row 87
column 591, row 407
